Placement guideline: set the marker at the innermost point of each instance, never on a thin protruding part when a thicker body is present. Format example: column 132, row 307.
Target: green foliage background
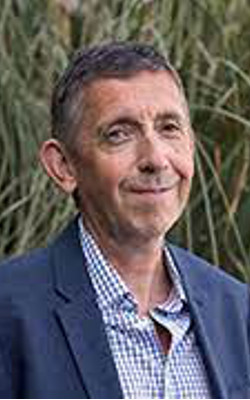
column 207, row 40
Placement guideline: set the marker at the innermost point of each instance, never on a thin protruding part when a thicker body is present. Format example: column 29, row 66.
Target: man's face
column 134, row 156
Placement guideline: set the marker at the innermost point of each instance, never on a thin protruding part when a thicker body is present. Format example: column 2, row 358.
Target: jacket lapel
column 203, row 315
column 219, row 324
column 81, row 319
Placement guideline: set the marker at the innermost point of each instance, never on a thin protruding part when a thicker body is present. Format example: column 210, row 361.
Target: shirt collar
column 109, row 286
column 111, row 290
column 175, row 275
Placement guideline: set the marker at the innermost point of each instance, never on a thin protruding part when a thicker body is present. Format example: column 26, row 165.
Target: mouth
column 154, row 189
column 153, row 192
column 150, row 190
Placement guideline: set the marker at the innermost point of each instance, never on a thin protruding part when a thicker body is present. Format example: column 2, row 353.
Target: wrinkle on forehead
column 118, row 96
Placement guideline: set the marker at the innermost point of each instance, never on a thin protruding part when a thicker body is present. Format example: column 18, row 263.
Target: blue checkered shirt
column 143, row 369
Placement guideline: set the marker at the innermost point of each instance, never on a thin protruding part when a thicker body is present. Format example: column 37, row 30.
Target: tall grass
column 208, row 41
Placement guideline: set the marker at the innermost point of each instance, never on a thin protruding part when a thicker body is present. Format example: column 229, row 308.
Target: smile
column 151, row 193
column 154, row 189
column 150, row 190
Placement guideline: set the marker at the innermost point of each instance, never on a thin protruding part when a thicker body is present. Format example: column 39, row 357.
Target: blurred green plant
column 208, row 42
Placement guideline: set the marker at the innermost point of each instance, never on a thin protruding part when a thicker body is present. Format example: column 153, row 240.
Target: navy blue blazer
column 52, row 338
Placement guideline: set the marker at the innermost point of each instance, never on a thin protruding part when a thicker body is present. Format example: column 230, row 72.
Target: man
column 109, row 309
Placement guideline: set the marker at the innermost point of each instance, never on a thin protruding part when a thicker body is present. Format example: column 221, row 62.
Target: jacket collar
column 81, row 319
column 206, row 292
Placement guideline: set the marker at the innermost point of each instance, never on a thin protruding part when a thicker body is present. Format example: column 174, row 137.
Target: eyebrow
column 170, row 115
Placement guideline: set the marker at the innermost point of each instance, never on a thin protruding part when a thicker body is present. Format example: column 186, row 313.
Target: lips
column 154, row 188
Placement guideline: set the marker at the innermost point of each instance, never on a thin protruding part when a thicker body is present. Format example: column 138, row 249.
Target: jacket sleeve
column 7, row 361
column 248, row 326
column 5, row 377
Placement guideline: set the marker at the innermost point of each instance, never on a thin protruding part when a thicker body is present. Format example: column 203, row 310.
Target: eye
column 116, row 136
column 170, row 126
column 170, row 129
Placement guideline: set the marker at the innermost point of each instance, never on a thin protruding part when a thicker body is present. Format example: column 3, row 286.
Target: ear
column 57, row 165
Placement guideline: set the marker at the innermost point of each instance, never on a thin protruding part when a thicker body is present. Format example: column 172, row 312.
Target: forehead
column 149, row 91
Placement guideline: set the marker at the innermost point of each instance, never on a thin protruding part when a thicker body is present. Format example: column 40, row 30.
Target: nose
column 153, row 155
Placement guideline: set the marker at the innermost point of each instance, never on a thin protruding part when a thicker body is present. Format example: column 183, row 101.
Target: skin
column 133, row 165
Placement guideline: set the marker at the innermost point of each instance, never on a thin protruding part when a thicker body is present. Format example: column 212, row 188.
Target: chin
column 152, row 230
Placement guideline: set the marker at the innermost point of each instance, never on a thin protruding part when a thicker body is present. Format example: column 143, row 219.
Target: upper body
column 123, row 146
column 53, row 342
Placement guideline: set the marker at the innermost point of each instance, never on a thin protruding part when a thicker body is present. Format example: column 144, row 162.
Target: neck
column 146, row 277
column 140, row 264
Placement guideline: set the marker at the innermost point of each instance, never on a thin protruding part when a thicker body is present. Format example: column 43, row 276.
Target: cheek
column 186, row 160
column 188, row 169
column 184, row 165
column 106, row 178
column 111, row 169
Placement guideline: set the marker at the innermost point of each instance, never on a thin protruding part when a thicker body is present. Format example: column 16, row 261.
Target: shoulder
column 33, row 273
column 201, row 276
column 22, row 273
